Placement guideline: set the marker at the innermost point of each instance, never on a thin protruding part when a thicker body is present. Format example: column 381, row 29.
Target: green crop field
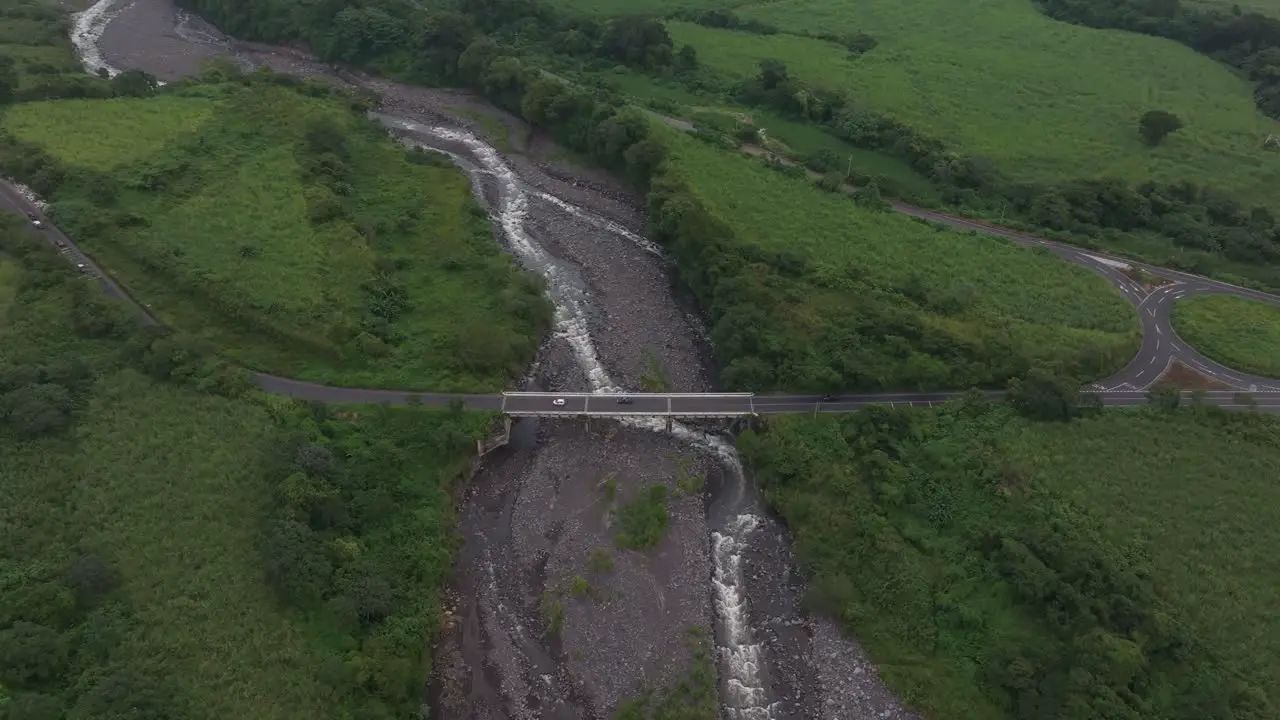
column 974, row 289
column 1237, row 332
column 947, row 542
column 134, row 537
column 235, row 225
column 73, row 129
column 1045, row 100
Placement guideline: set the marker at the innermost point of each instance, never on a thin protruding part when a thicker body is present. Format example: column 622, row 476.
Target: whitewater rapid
column 745, row 696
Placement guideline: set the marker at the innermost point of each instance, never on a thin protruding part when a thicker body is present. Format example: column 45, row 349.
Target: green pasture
column 1237, row 332
column 104, row 134
column 1045, row 100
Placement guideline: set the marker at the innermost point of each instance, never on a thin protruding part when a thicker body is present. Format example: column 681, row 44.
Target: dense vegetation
column 279, row 224
column 1239, row 333
column 1111, row 566
column 145, row 497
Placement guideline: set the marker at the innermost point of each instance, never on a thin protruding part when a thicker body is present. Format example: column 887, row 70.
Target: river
column 537, row 517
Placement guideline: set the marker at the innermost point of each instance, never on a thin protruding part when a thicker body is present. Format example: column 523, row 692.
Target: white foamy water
column 602, row 223
column 86, row 29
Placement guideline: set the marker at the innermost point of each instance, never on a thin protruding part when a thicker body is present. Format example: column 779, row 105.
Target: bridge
column 732, row 405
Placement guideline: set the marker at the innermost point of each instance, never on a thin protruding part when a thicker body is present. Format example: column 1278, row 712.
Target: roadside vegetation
column 277, row 223
column 824, row 294
column 1237, row 332
column 997, row 567
column 147, row 495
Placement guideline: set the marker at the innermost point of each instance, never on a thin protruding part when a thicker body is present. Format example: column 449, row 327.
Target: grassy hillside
column 884, row 301
column 1045, row 100
column 1239, row 333
column 138, row 518
column 285, row 228
column 1113, row 566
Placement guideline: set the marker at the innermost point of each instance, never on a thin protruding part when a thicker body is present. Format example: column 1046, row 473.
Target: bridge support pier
column 668, row 424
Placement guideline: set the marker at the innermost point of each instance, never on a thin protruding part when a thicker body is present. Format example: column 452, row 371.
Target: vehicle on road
column 558, row 402
column 829, row 398
column 624, row 400
column 80, row 266
column 37, row 224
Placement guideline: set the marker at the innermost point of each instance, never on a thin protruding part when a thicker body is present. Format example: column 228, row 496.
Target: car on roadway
column 624, row 400
column 830, row 398
column 37, row 224
column 80, row 266
column 558, row 402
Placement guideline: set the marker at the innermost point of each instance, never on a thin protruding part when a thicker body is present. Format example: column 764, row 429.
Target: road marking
column 1159, row 331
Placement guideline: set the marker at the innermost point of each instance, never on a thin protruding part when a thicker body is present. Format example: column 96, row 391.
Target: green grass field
column 173, row 488
column 231, row 237
column 74, row 129
column 913, row 527
column 1045, row 100
column 1237, row 332
column 974, row 289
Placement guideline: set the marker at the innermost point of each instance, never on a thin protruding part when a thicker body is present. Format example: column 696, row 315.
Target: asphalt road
column 1160, row 347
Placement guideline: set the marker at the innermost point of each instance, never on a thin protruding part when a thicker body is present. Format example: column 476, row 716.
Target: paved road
column 1160, row 346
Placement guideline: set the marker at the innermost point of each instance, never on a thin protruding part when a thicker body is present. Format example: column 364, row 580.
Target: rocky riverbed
column 539, row 627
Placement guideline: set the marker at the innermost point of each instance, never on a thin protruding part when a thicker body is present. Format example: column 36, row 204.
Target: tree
column 1044, row 395
column 1165, row 397
column 123, row 695
column 687, row 58
column 31, row 655
column 32, row 706
column 8, row 80
column 1155, row 125
column 296, row 565
column 37, row 410
column 91, row 578
column 134, row 83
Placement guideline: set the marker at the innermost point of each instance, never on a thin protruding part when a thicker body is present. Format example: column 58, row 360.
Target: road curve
column 1160, row 344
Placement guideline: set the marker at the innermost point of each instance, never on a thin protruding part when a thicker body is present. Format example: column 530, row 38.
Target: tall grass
column 1237, row 332
column 91, row 133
